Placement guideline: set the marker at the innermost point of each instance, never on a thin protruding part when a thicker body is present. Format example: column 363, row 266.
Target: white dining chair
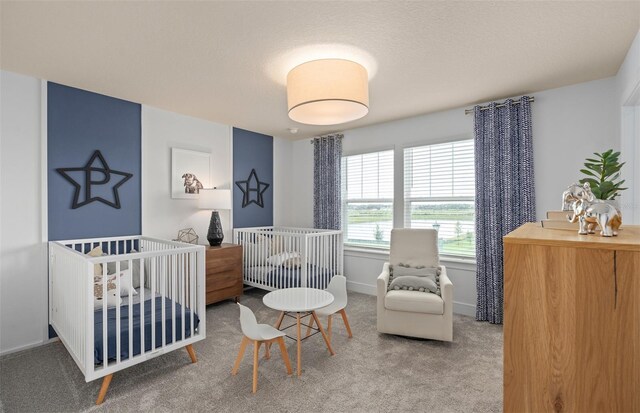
column 258, row 334
column 338, row 288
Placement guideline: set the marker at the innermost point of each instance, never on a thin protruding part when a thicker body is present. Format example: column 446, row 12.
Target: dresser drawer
column 223, row 280
column 223, row 273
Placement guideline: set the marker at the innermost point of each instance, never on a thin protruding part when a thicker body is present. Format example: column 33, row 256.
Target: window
column 367, row 198
column 439, row 191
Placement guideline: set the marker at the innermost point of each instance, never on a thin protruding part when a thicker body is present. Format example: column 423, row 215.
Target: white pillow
column 112, row 296
column 124, row 265
column 279, row 259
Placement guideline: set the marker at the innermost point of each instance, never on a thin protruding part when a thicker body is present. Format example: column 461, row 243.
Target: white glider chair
column 415, row 313
column 258, row 334
column 338, row 287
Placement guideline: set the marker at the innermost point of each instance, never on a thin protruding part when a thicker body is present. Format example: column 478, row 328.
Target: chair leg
column 329, row 328
column 256, row 352
column 309, row 328
column 346, row 322
column 103, row 389
column 285, row 354
column 326, row 339
column 243, row 346
column 192, row 353
column 267, row 353
column 277, row 325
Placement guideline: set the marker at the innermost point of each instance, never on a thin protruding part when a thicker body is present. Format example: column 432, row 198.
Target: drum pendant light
column 327, row 92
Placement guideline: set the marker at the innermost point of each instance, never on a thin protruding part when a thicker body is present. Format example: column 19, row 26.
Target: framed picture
column 190, row 172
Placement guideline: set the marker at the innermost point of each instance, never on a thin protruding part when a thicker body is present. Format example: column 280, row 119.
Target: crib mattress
column 288, row 277
column 136, row 326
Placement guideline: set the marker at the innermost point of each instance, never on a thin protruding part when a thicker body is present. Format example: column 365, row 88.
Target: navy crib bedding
column 137, row 320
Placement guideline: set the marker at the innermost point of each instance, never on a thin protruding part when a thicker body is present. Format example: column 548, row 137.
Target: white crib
column 171, row 276
column 281, row 257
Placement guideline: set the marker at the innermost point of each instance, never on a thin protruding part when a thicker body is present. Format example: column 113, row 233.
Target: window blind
column 439, row 191
column 367, row 184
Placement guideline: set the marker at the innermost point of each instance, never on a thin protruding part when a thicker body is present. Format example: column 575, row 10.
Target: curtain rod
column 311, row 140
column 501, row 105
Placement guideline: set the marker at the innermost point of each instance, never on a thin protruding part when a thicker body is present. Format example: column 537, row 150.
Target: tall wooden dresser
column 224, row 272
column 571, row 321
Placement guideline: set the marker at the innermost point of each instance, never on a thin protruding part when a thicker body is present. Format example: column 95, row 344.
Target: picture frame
column 190, row 172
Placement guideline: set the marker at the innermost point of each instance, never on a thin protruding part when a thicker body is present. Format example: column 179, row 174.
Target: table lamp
column 215, row 199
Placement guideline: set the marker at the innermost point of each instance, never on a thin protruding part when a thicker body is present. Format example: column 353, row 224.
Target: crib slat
column 130, row 315
column 118, row 331
column 142, row 303
column 192, row 287
column 153, row 302
column 173, row 296
column 163, row 288
column 105, row 341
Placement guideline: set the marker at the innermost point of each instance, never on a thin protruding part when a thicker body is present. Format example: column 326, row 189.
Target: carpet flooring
column 370, row 373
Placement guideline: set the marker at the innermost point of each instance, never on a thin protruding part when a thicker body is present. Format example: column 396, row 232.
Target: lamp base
column 215, row 234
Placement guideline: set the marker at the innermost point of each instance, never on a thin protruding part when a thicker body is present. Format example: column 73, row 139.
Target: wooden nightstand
column 224, row 272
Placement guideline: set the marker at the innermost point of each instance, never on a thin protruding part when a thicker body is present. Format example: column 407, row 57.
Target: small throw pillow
column 126, row 284
column 96, row 252
column 124, row 265
column 414, row 283
column 279, row 259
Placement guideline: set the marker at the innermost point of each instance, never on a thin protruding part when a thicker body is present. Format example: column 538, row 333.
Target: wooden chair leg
column 346, row 322
column 329, row 328
column 192, row 353
column 277, row 325
column 309, row 328
column 103, row 389
column 299, row 337
column 326, row 339
column 267, row 353
column 243, row 346
column 285, row 355
column 256, row 353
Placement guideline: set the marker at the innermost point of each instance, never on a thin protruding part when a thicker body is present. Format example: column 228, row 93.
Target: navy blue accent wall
column 252, row 151
column 79, row 123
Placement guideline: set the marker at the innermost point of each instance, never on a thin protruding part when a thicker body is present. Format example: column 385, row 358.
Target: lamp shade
column 327, row 92
column 215, row 199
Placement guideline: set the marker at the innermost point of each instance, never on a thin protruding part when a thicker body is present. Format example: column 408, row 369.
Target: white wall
column 282, row 179
column 569, row 124
column 23, row 276
column 628, row 101
column 163, row 216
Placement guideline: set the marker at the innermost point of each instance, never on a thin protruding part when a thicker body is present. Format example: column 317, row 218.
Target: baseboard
column 361, row 288
column 27, row 346
column 464, row 309
column 458, row 308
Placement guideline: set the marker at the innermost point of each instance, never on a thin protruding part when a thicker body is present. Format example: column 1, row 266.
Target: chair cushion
column 414, row 301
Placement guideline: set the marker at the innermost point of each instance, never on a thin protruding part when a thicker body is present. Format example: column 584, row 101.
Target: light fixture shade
column 215, row 199
column 327, row 92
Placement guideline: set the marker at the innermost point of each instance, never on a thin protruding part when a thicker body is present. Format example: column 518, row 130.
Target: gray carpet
column 370, row 372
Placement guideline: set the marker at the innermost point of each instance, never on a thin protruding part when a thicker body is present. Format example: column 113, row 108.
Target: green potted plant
column 603, row 175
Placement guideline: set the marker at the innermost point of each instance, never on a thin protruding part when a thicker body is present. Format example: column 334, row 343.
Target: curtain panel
column 505, row 196
column 327, row 193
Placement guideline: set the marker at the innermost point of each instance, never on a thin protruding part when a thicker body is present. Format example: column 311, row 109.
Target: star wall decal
column 95, row 173
column 252, row 186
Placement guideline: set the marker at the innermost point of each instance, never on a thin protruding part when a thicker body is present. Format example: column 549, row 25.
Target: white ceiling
column 227, row 61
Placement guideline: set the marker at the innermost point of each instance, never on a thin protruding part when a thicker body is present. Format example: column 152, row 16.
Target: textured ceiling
column 227, row 61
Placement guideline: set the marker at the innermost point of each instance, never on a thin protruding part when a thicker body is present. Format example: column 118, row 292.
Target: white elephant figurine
column 605, row 215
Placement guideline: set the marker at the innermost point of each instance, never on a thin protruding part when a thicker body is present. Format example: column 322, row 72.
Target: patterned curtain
column 327, row 199
column 505, row 196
